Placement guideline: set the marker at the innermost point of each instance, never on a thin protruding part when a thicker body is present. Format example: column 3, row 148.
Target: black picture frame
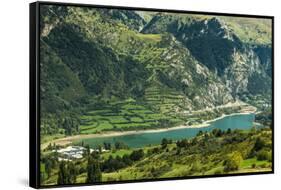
column 34, row 92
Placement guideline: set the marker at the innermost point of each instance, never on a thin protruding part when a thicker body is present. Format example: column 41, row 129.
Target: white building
column 73, row 152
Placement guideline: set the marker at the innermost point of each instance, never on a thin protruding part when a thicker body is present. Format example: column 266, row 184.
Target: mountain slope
column 169, row 64
column 225, row 45
column 160, row 58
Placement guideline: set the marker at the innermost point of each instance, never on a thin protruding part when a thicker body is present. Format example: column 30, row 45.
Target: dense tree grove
column 71, row 126
column 67, row 173
column 137, row 155
column 93, row 170
column 118, row 162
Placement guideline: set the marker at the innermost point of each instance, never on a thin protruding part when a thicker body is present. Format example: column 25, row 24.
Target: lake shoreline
column 70, row 139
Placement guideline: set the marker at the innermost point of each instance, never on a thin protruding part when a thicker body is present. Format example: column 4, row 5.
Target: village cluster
column 73, row 152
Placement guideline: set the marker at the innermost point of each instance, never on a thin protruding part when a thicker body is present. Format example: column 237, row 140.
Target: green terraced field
column 129, row 114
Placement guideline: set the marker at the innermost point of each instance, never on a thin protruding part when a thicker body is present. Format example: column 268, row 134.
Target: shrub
column 263, row 155
column 120, row 145
column 259, row 144
column 165, row 142
column 155, row 150
column 217, row 132
column 156, row 172
column 137, row 155
column 269, row 165
column 178, row 151
column 263, row 165
column 233, row 161
column 228, row 131
column 195, row 167
column 200, row 133
column 82, row 170
column 218, row 171
column 182, row 143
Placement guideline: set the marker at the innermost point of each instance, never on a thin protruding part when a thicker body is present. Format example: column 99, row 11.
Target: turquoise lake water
column 239, row 121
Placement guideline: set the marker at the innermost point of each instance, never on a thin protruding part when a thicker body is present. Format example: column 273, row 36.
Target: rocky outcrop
column 215, row 45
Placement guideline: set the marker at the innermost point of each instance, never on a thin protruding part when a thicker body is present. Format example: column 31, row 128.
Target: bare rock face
column 246, row 64
column 214, row 43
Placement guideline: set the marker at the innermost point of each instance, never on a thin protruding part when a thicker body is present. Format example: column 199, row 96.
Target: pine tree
column 67, row 173
column 62, row 175
column 93, row 171
column 72, row 173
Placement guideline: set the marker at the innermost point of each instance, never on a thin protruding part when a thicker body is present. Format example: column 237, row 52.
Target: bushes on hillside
column 113, row 164
column 137, row 155
column 264, row 155
column 158, row 171
column 120, row 145
column 67, row 173
column 182, row 143
column 233, row 161
column 165, row 142
column 258, row 146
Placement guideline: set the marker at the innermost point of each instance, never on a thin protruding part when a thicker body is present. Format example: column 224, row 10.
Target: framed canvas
column 121, row 94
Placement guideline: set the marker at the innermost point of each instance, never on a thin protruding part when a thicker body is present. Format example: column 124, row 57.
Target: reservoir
column 237, row 121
